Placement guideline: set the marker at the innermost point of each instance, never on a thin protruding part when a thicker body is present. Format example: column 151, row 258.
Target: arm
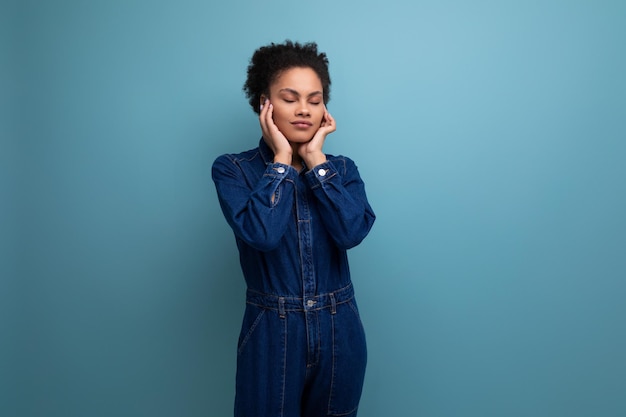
column 343, row 204
column 258, row 213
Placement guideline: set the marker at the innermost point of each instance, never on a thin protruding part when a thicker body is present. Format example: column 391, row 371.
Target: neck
column 296, row 160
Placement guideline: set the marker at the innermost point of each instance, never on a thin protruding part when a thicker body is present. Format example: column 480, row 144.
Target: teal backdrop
column 490, row 135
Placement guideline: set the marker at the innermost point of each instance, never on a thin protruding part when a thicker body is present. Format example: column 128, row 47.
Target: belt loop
column 333, row 303
column 281, row 307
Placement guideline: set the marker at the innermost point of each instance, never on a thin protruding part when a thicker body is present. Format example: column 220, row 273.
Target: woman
column 295, row 212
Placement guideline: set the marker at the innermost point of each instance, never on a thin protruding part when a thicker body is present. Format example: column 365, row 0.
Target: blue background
column 490, row 134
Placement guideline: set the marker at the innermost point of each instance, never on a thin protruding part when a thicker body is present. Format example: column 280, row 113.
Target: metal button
column 311, row 303
column 280, row 170
column 321, row 172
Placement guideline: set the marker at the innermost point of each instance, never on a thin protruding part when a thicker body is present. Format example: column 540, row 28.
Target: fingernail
column 261, row 108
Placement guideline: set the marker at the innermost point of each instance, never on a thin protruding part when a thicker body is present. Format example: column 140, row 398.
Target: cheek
column 278, row 115
column 280, row 120
column 319, row 116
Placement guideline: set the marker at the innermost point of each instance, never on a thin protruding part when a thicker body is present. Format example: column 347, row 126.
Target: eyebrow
column 292, row 91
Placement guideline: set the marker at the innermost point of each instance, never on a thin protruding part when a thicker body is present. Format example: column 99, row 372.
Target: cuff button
column 321, row 172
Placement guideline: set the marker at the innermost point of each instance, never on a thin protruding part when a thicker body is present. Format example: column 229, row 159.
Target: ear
column 261, row 101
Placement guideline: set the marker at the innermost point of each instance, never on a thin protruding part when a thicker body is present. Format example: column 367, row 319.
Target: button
column 321, row 172
column 280, row 170
column 311, row 303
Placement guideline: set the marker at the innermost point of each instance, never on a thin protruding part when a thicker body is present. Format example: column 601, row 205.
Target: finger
column 263, row 111
column 267, row 120
column 331, row 122
column 263, row 104
column 263, row 107
column 269, row 113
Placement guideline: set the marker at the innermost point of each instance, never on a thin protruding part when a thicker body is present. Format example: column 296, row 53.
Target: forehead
column 301, row 79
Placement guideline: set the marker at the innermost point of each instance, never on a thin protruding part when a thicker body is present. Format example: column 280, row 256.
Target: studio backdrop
column 491, row 138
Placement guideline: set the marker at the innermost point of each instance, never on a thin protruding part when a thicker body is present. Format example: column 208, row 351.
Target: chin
column 299, row 138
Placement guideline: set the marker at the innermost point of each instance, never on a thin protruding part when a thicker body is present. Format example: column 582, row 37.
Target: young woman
column 295, row 211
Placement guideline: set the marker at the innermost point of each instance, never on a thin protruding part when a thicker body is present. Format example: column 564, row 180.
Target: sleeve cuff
column 320, row 174
column 280, row 171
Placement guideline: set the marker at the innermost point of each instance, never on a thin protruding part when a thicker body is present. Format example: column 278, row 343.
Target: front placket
column 305, row 243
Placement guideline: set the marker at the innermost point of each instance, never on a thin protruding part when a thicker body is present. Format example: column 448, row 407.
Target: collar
column 266, row 152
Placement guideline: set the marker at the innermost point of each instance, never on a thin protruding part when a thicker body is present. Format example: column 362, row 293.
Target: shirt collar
column 266, row 152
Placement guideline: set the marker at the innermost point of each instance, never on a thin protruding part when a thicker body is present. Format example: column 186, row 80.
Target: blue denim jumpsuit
column 301, row 351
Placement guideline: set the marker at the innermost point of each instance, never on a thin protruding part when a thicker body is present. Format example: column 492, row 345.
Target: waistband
column 284, row 304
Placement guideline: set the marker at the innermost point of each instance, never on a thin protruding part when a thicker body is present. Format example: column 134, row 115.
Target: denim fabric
column 302, row 347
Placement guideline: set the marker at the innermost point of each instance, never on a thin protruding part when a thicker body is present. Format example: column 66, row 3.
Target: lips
column 302, row 124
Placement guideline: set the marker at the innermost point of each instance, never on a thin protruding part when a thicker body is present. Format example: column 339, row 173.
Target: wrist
column 283, row 158
column 313, row 160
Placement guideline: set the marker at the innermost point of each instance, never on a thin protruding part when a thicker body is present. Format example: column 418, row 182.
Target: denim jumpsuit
column 301, row 351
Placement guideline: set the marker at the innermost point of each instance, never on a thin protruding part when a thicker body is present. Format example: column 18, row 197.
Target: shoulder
column 235, row 158
column 240, row 156
column 341, row 162
column 230, row 162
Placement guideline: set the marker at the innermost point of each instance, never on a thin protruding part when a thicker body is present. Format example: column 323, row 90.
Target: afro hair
column 268, row 62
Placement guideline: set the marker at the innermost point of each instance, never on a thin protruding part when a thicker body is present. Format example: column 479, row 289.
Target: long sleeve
column 257, row 208
column 343, row 204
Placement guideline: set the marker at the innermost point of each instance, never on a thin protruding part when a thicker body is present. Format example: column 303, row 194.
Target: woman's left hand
column 311, row 152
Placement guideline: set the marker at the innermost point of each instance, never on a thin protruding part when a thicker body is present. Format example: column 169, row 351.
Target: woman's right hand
column 274, row 138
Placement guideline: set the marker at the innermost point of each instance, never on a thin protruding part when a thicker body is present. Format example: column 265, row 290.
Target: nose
column 303, row 110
